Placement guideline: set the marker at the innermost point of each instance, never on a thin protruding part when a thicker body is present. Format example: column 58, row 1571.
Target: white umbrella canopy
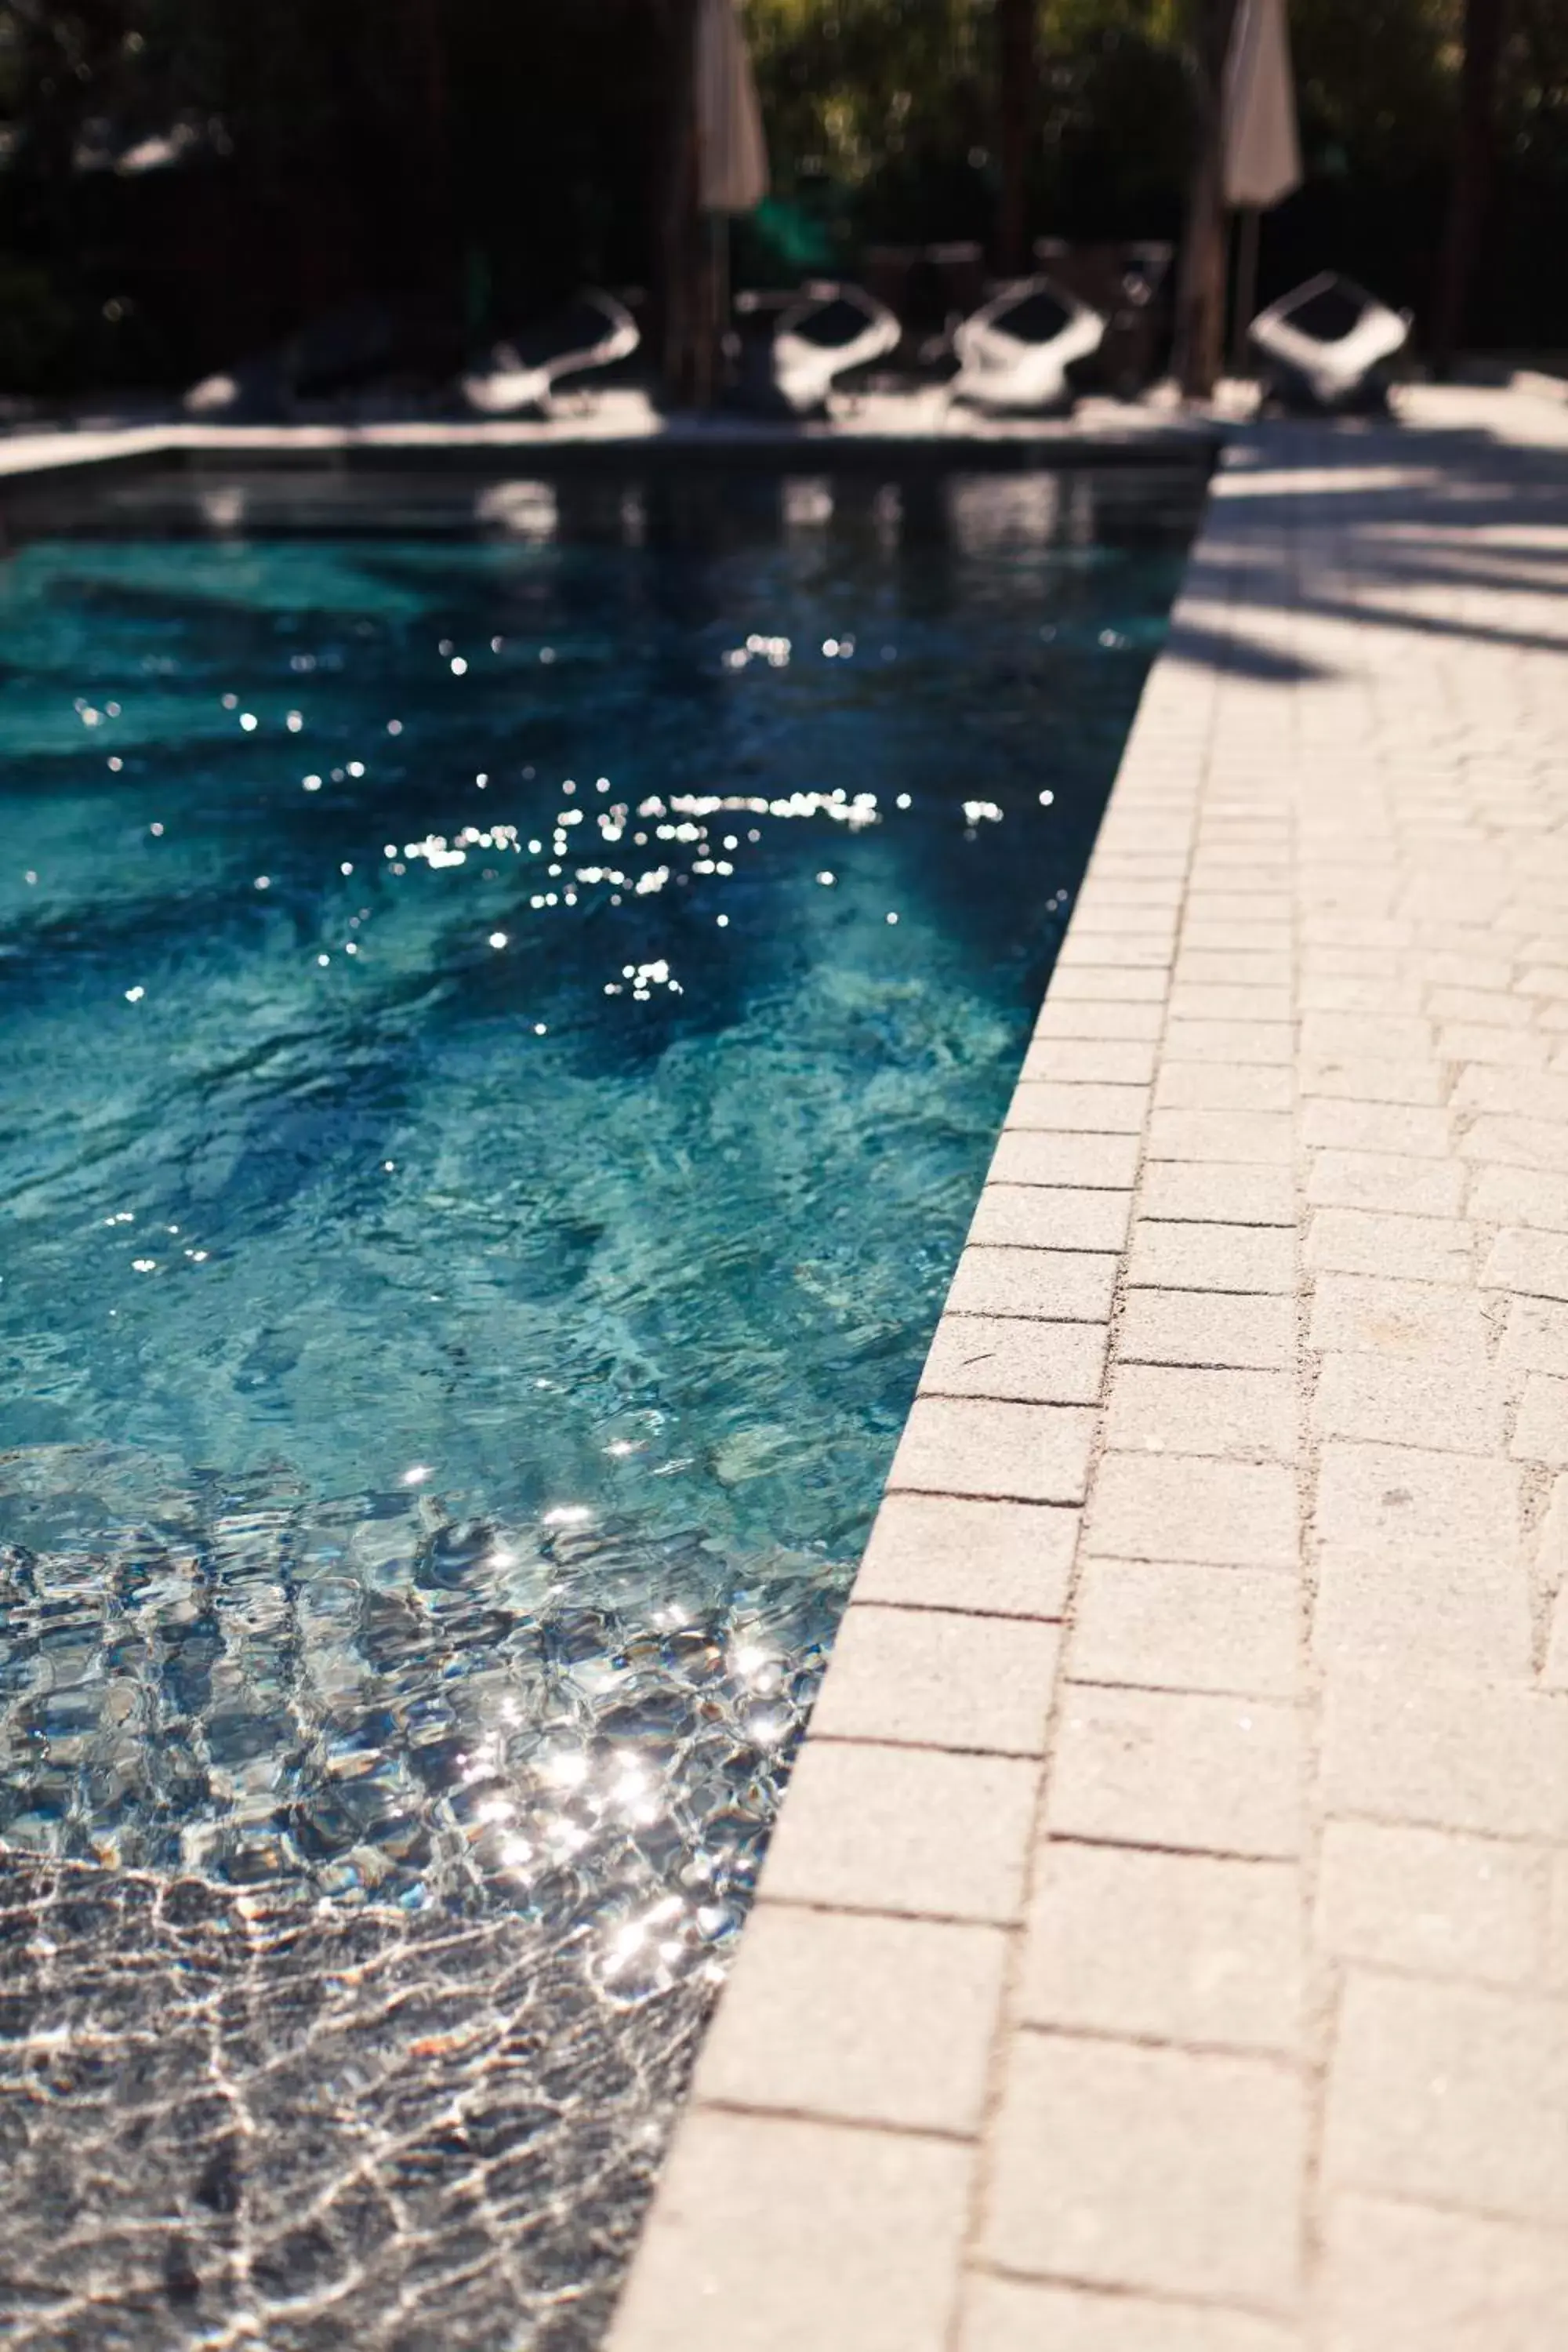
column 731, row 155
column 1262, row 150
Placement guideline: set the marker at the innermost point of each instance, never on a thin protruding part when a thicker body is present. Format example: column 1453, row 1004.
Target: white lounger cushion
column 1332, row 370
column 1001, row 369
column 508, row 384
column 803, row 369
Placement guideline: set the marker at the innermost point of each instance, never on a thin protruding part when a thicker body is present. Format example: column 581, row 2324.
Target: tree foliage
column 476, row 158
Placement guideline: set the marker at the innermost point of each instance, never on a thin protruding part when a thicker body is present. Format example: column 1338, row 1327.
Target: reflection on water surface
column 508, row 993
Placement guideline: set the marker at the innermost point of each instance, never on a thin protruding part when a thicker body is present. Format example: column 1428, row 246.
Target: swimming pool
column 508, row 991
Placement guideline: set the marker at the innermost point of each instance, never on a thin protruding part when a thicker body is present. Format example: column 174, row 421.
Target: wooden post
column 1473, row 158
column 435, row 216
column 1200, row 284
column 1017, row 114
column 682, row 274
column 1248, row 221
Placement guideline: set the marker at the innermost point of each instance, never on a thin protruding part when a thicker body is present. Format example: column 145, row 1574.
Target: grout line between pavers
column 1312, row 2026
column 1232, row 1692
column 844, row 1907
column 876, row 2125
column 952, row 1608
column 1255, row 2053
column 1142, row 2297
column 1253, row 1860
column 943, row 1746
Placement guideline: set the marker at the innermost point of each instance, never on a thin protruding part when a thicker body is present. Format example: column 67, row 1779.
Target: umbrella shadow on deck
column 1383, row 527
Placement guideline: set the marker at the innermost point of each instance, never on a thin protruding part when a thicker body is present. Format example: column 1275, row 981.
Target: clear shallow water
column 480, row 1168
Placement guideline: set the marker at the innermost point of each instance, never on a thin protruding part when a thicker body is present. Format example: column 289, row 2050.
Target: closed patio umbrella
column 1262, row 149
column 726, row 172
column 731, row 155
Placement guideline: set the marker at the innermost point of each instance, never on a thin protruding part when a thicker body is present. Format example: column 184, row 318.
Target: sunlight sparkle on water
column 684, row 1267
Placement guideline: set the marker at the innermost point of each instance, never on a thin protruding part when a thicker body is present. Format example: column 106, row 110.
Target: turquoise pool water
column 508, row 991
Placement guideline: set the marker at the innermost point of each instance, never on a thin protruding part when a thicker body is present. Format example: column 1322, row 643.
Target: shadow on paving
column 1407, row 511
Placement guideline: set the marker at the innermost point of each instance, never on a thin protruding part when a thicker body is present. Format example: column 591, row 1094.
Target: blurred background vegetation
column 185, row 181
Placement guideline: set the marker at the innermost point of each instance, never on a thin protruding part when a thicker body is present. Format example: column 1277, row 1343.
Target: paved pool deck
column 1163, row 1946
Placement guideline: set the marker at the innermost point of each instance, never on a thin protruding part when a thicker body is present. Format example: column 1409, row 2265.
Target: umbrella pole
column 1247, row 220
column 720, row 227
column 680, row 247
column 711, row 308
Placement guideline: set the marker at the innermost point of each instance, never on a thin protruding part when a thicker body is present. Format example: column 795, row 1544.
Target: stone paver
column 1453, row 2094
column 944, row 1551
column 1394, row 1401
column 1211, row 1258
column 1419, row 1563
column 1170, row 1625
column 1170, row 2170
column 977, row 1445
column 1169, row 1408
column 1003, row 2314
column 911, row 1831
column 1014, row 1359
column 1042, row 1216
column 939, row 1678
column 1052, row 1285
column 805, row 2025
column 1179, row 1769
column 1210, row 1192
column 782, row 2234
column 1165, row 1948
column 1202, row 1719
column 1404, row 2277
column 1025, row 1156
column 1240, row 1333
column 1400, row 1322
column 1433, row 1903
column 1184, row 1506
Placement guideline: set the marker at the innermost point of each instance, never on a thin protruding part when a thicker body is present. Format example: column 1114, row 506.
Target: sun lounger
column 1016, row 350
column 327, row 358
column 1129, row 283
column 930, row 289
column 523, row 374
column 257, row 391
column 828, row 332
column 1327, row 345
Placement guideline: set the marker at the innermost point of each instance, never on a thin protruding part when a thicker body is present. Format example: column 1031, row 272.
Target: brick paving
column 1164, row 1944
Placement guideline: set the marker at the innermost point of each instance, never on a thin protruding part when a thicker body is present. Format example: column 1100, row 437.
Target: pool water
column 508, row 991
